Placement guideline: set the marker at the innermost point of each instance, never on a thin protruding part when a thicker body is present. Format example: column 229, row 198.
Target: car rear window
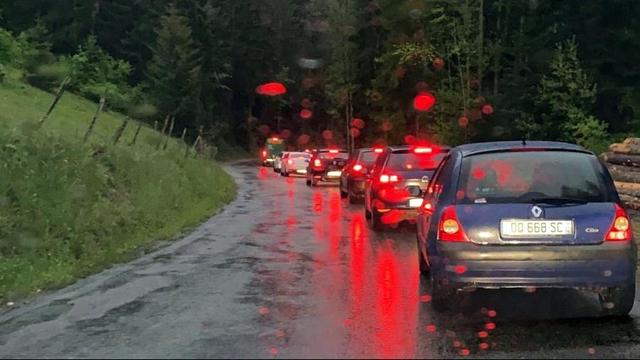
column 368, row 157
column 409, row 161
column 520, row 177
column 330, row 155
column 299, row 155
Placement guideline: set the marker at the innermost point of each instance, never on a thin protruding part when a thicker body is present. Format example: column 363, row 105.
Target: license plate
column 527, row 228
column 301, row 171
column 334, row 173
column 415, row 203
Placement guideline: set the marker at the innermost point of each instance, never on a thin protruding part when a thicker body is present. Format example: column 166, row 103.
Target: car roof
column 500, row 146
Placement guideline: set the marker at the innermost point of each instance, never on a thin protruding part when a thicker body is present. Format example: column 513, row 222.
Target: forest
column 497, row 69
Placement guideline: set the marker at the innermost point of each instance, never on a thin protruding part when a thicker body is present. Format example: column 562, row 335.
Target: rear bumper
column 324, row 176
column 400, row 210
column 468, row 266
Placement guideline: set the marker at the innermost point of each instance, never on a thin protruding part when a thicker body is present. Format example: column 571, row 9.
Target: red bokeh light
column 306, row 114
column 487, row 109
column 327, row 135
column 387, row 125
column 304, row 139
column 483, row 346
column 483, row 334
column 355, row 132
column 424, row 101
column 463, row 121
column 490, row 326
column 306, row 103
column 431, row 328
column 425, row 298
column 492, row 313
column 271, row 89
column 285, row 134
column 409, row 139
column 478, row 174
column 465, row 352
column 358, row 123
column 460, row 269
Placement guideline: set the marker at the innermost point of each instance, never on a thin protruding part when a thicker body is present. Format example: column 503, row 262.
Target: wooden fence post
column 164, row 128
column 94, row 119
column 120, row 131
column 59, row 93
column 135, row 136
column 166, row 141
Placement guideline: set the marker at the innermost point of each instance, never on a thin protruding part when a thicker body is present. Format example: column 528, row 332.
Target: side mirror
column 427, row 206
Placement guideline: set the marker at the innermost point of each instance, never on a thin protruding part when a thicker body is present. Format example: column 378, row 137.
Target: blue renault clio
column 526, row 214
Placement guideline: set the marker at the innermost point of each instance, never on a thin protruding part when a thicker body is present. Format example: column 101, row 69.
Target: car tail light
column 387, row 179
column 290, row 162
column 317, row 163
column 423, row 150
column 449, row 228
column 264, row 153
column 357, row 167
column 378, row 150
column 334, row 151
column 621, row 227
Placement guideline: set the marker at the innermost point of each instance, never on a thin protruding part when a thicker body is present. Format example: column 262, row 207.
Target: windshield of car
column 299, row 156
column 368, row 158
column 330, row 155
column 409, row 161
column 531, row 176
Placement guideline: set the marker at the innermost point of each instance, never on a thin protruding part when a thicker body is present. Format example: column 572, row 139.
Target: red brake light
column 317, row 163
column 290, row 162
column 334, row 151
column 449, row 228
column 264, row 153
column 386, row 179
column 378, row 150
column 307, row 150
column 357, row 167
column 621, row 227
column 423, row 150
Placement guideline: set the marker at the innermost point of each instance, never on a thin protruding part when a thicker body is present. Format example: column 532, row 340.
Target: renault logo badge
column 536, row 211
column 425, row 179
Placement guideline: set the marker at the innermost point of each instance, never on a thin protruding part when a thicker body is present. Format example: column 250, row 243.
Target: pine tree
column 171, row 69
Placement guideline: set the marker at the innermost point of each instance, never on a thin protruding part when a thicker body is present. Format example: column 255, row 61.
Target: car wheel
column 343, row 194
column 441, row 296
column 353, row 200
column 424, row 266
column 618, row 301
column 367, row 213
column 376, row 221
column 308, row 181
column 314, row 182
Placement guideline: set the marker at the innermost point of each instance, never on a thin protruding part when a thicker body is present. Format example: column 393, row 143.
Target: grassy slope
column 69, row 209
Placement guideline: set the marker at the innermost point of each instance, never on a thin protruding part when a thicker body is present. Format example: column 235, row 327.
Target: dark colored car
column 526, row 215
column 354, row 176
column 393, row 191
column 326, row 165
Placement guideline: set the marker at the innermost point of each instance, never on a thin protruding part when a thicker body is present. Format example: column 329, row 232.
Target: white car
column 295, row 163
column 277, row 163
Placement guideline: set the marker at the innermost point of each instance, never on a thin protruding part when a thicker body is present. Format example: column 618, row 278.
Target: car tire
column 618, row 301
column 343, row 194
column 376, row 221
column 441, row 296
column 353, row 200
column 424, row 266
column 308, row 181
column 314, row 182
column 367, row 213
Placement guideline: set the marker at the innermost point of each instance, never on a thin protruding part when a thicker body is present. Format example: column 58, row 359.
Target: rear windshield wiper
column 559, row 200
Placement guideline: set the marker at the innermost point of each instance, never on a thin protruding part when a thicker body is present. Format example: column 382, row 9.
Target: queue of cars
column 496, row 215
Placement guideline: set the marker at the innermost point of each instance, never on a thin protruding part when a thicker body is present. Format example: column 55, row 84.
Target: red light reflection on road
column 317, row 202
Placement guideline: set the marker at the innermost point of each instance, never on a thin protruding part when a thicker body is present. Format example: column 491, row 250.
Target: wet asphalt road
column 290, row 271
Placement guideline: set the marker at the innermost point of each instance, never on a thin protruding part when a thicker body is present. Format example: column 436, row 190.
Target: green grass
column 69, row 209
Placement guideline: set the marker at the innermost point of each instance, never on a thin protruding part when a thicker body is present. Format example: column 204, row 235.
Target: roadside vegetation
column 70, row 208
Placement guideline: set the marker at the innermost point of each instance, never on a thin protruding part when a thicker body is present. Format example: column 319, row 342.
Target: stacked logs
column 623, row 161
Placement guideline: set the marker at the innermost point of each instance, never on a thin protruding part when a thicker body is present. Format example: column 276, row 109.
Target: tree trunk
column 622, row 159
column 624, row 173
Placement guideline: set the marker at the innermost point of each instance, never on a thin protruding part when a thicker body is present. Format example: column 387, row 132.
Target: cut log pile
column 623, row 161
